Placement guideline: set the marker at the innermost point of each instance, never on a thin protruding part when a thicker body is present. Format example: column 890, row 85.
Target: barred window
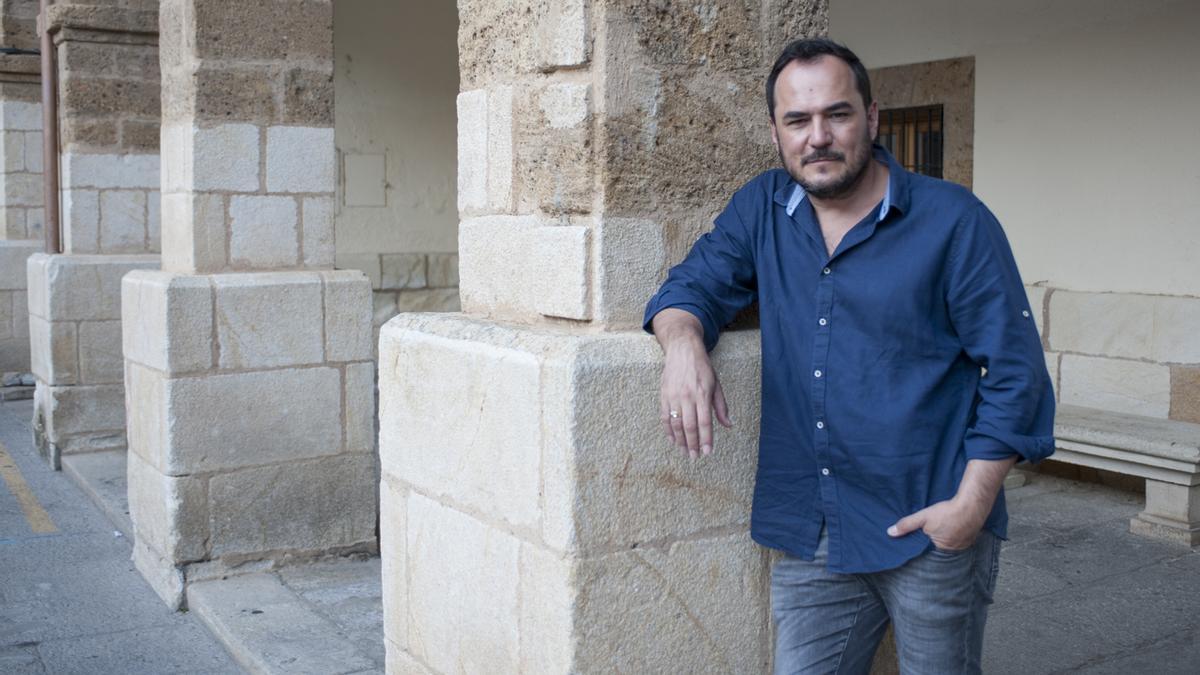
column 914, row 137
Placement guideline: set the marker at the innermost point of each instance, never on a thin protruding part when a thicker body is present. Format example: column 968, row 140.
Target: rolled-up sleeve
column 715, row 281
column 991, row 314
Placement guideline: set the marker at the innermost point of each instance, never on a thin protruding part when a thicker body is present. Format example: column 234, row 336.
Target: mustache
column 822, row 154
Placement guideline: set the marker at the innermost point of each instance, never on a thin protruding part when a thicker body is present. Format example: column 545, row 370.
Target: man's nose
column 820, row 136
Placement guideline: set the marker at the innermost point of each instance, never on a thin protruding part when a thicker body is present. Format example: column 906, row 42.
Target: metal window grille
column 914, row 137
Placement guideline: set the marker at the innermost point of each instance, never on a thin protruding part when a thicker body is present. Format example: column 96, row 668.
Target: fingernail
column 893, row 531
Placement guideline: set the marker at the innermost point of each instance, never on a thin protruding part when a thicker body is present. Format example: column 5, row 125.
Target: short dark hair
column 808, row 50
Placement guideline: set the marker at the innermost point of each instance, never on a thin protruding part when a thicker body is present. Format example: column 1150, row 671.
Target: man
column 883, row 297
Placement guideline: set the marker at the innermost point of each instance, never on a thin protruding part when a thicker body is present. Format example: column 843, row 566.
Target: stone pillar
column 248, row 358
column 108, row 118
column 20, row 176
column 533, row 517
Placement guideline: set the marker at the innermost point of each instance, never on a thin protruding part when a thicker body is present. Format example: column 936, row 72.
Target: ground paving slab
column 1077, row 593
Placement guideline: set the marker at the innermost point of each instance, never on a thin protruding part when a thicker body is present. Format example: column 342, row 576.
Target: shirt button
column 826, row 271
column 820, row 425
column 1025, row 314
column 824, row 472
column 822, row 321
column 816, row 373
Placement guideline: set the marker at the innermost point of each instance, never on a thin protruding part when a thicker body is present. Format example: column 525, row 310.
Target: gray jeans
column 937, row 603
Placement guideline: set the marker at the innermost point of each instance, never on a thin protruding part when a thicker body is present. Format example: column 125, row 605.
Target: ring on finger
column 674, row 414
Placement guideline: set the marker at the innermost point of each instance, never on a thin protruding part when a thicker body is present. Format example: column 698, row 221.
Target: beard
column 837, row 186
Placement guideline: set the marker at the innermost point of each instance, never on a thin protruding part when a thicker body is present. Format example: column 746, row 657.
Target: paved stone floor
column 70, row 599
column 1077, row 592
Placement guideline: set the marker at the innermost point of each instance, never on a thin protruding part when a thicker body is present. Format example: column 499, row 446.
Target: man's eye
column 840, row 115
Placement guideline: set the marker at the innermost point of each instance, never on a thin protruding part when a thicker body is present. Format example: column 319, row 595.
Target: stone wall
column 1123, row 352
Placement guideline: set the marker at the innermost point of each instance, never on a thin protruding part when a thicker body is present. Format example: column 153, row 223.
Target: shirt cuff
column 711, row 330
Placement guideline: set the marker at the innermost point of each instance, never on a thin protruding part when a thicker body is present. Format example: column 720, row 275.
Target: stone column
column 248, row 358
column 108, row 117
column 533, row 517
column 20, row 176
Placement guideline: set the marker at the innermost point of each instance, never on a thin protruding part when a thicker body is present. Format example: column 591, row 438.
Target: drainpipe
column 50, row 134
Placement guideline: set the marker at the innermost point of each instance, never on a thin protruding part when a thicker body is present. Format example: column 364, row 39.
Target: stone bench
column 1164, row 452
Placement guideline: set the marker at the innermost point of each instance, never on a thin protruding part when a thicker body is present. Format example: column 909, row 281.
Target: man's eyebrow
column 834, row 107
column 840, row 105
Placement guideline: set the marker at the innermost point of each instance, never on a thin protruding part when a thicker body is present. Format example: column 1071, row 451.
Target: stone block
column 1052, row 359
column 562, row 35
column 442, row 270
column 400, row 661
column 154, row 221
column 403, row 270
column 12, row 151
column 485, row 150
column 553, row 149
column 81, row 287
column 193, row 232
column 304, row 31
column 300, row 159
column 243, row 93
column 463, row 591
column 393, row 532
column 12, row 223
column 1102, row 324
column 103, row 97
column 633, row 261
column 34, row 155
column 146, row 410
column 547, row 617
column 36, row 283
column 689, row 606
column 560, row 262
column 224, row 157
column 170, row 320
column 483, row 400
column 1124, row 386
column 161, row 573
column 263, row 232
column 313, row 505
column 82, row 411
column 384, row 306
column 23, row 189
column 722, row 35
column 1037, row 304
column 109, row 171
column 13, row 256
column 317, row 232
column 100, row 357
column 1172, row 513
column 1176, row 327
column 308, row 98
column 81, row 221
column 495, row 277
column 368, row 263
column 230, row 421
column 170, row 513
column 348, row 306
column 140, row 136
column 360, row 407
column 268, row 319
column 53, row 351
column 123, row 221
column 1185, row 394
column 21, row 115
column 428, row 300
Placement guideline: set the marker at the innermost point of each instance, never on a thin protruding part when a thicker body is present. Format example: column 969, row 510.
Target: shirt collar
column 791, row 194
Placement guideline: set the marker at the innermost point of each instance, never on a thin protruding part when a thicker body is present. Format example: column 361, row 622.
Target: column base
column 525, row 475
column 1172, row 513
column 14, row 308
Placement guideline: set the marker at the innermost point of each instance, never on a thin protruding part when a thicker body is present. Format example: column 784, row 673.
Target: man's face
column 821, row 128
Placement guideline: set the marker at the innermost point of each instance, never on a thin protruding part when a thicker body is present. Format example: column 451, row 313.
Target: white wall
column 396, row 81
column 1085, row 127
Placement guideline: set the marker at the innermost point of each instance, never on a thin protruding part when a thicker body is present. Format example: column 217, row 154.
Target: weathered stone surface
column 563, row 38
column 81, row 221
column 263, row 232
column 691, row 606
column 224, row 157
column 318, row 232
column 485, row 151
column 553, row 149
column 308, row 98
column 22, row 115
column 495, row 278
column 560, row 262
column 231, row 421
column 463, row 591
column 1158, row 328
column 547, row 616
column 146, row 418
column 170, row 513
column 393, row 547
column 193, row 233
column 348, row 332
column 53, row 350
column 403, row 270
column 110, row 171
column 255, row 510
column 227, row 94
column 359, row 398
column 102, row 97
column 483, row 402
column 442, row 270
column 123, row 221
column 1176, row 325
column 169, row 319
column 13, row 256
column 429, row 300
column 268, row 319
column 368, row 263
column 1185, row 393
column 632, row 264
column 23, row 189
column 1114, row 384
column 230, row 31
column 161, row 573
column 300, row 159
column 81, row 287
column 100, row 358
column 82, row 410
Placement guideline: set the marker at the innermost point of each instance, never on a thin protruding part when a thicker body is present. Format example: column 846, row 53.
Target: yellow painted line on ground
column 39, row 521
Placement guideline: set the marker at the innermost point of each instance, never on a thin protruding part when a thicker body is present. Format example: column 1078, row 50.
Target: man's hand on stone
column 690, row 392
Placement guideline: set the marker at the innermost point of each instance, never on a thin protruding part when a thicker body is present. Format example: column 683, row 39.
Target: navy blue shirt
column 873, row 395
